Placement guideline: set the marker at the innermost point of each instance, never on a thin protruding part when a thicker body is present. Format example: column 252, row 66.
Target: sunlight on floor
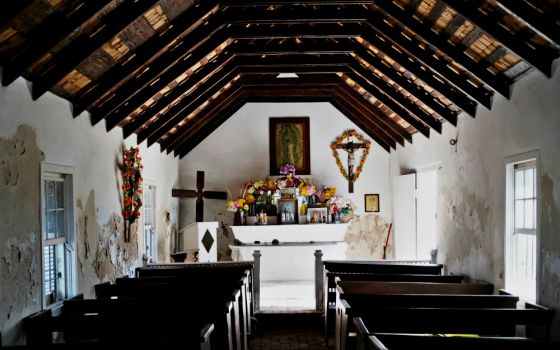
column 287, row 295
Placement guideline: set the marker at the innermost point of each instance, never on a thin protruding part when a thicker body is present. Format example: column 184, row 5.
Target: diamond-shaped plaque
column 207, row 241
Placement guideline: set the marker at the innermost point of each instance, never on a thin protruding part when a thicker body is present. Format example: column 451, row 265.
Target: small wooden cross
column 350, row 147
column 199, row 194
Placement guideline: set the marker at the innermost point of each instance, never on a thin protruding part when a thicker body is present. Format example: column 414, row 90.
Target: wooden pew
column 368, row 341
column 480, row 321
column 182, row 287
column 334, row 268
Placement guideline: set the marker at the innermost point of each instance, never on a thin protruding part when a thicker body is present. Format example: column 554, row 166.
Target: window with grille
column 57, row 227
column 521, row 228
column 149, row 205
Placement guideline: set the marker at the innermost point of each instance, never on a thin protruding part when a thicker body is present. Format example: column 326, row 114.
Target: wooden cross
column 199, row 194
column 350, row 147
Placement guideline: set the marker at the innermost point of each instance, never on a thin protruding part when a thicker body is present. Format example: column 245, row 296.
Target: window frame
column 66, row 173
column 509, row 225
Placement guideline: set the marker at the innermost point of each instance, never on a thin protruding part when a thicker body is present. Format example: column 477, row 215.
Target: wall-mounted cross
column 199, row 194
column 350, row 147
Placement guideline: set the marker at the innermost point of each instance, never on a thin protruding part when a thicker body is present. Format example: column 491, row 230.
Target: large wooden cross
column 199, row 194
column 350, row 147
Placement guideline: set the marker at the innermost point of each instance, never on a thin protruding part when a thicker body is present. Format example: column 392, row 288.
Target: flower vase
column 237, row 218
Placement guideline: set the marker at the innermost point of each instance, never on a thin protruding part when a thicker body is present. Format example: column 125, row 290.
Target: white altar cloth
column 293, row 258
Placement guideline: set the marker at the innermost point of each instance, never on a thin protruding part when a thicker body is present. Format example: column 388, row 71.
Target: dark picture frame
column 289, row 144
column 371, row 202
column 291, row 206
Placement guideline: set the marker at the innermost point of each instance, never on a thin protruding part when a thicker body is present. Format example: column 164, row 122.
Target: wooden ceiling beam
column 372, row 113
column 436, row 11
column 245, row 64
column 453, row 26
column 413, row 88
column 47, row 34
column 10, row 9
column 540, row 58
column 499, row 83
column 294, row 14
column 349, row 111
column 84, row 45
column 403, row 108
column 145, row 53
column 546, row 24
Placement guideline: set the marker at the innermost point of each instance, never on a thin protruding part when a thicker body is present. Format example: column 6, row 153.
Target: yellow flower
column 250, row 199
column 246, row 207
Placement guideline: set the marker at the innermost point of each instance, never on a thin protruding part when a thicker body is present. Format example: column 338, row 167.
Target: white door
column 426, row 193
column 404, row 216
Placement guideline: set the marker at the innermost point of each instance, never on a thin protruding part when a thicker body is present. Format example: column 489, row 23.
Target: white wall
column 238, row 151
column 48, row 127
column 471, row 182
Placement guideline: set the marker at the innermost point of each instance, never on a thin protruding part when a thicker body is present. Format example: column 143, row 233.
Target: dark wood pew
column 146, row 321
column 378, row 341
column 334, row 268
column 479, row 321
column 183, row 287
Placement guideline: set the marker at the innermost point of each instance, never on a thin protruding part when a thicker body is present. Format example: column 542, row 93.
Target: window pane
column 529, row 219
column 519, row 215
column 59, row 194
column 529, row 176
column 50, row 217
column 519, row 184
column 50, row 193
column 60, row 224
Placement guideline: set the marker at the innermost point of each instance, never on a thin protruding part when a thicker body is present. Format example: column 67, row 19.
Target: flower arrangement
column 339, row 203
column 238, row 205
column 289, row 179
column 337, row 143
column 325, row 193
column 306, row 188
column 131, row 173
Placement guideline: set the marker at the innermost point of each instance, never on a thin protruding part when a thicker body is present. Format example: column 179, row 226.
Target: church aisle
column 279, row 331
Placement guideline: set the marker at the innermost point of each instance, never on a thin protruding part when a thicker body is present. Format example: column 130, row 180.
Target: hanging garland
column 131, row 173
column 338, row 142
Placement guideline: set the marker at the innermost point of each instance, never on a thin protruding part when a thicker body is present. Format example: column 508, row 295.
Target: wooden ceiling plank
column 47, row 34
column 453, row 26
column 369, row 112
column 137, row 100
column 10, row 9
column 437, row 66
column 161, row 72
column 144, row 53
column 392, row 104
column 499, row 83
column 441, row 80
column 540, row 58
column 83, row 46
column 206, row 121
column 295, row 14
column 436, row 11
column 245, row 64
column 178, row 138
column 419, row 92
column 546, row 24
column 346, row 109
column 375, row 86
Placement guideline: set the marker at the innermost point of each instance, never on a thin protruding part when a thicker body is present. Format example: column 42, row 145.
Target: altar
column 288, row 251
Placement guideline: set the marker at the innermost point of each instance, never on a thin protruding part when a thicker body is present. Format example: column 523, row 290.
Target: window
column 521, row 228
column 149, row 203
column 57, row 234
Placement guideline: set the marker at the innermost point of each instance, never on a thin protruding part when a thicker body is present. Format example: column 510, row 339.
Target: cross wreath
column 352, row 174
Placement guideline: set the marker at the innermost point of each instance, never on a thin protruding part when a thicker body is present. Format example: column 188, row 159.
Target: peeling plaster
column 20, row 275
column 102, row 253
column 550, row 242
column 366, row 236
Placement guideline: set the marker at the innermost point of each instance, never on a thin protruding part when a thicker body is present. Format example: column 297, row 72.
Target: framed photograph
column 289, row 144
column 371, row 202
column 288, row 211
column 317, row 215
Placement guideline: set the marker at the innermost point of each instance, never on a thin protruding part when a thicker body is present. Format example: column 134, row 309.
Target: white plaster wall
column 238, row 151
column 471, row 182
column 93, row 153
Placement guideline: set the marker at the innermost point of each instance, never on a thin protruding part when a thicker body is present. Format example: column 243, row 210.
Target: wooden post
column 257, row 280
column 319, row 280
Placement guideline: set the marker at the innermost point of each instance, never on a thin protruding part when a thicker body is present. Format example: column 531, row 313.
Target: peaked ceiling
column 172, row 71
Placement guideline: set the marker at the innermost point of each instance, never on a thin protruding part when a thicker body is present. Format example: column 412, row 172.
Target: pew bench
column 379, row 341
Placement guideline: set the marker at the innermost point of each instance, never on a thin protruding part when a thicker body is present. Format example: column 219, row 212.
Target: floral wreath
column 131, row 173
column 338, row 142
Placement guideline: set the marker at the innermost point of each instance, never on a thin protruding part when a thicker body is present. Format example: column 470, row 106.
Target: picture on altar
column 289, row 144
